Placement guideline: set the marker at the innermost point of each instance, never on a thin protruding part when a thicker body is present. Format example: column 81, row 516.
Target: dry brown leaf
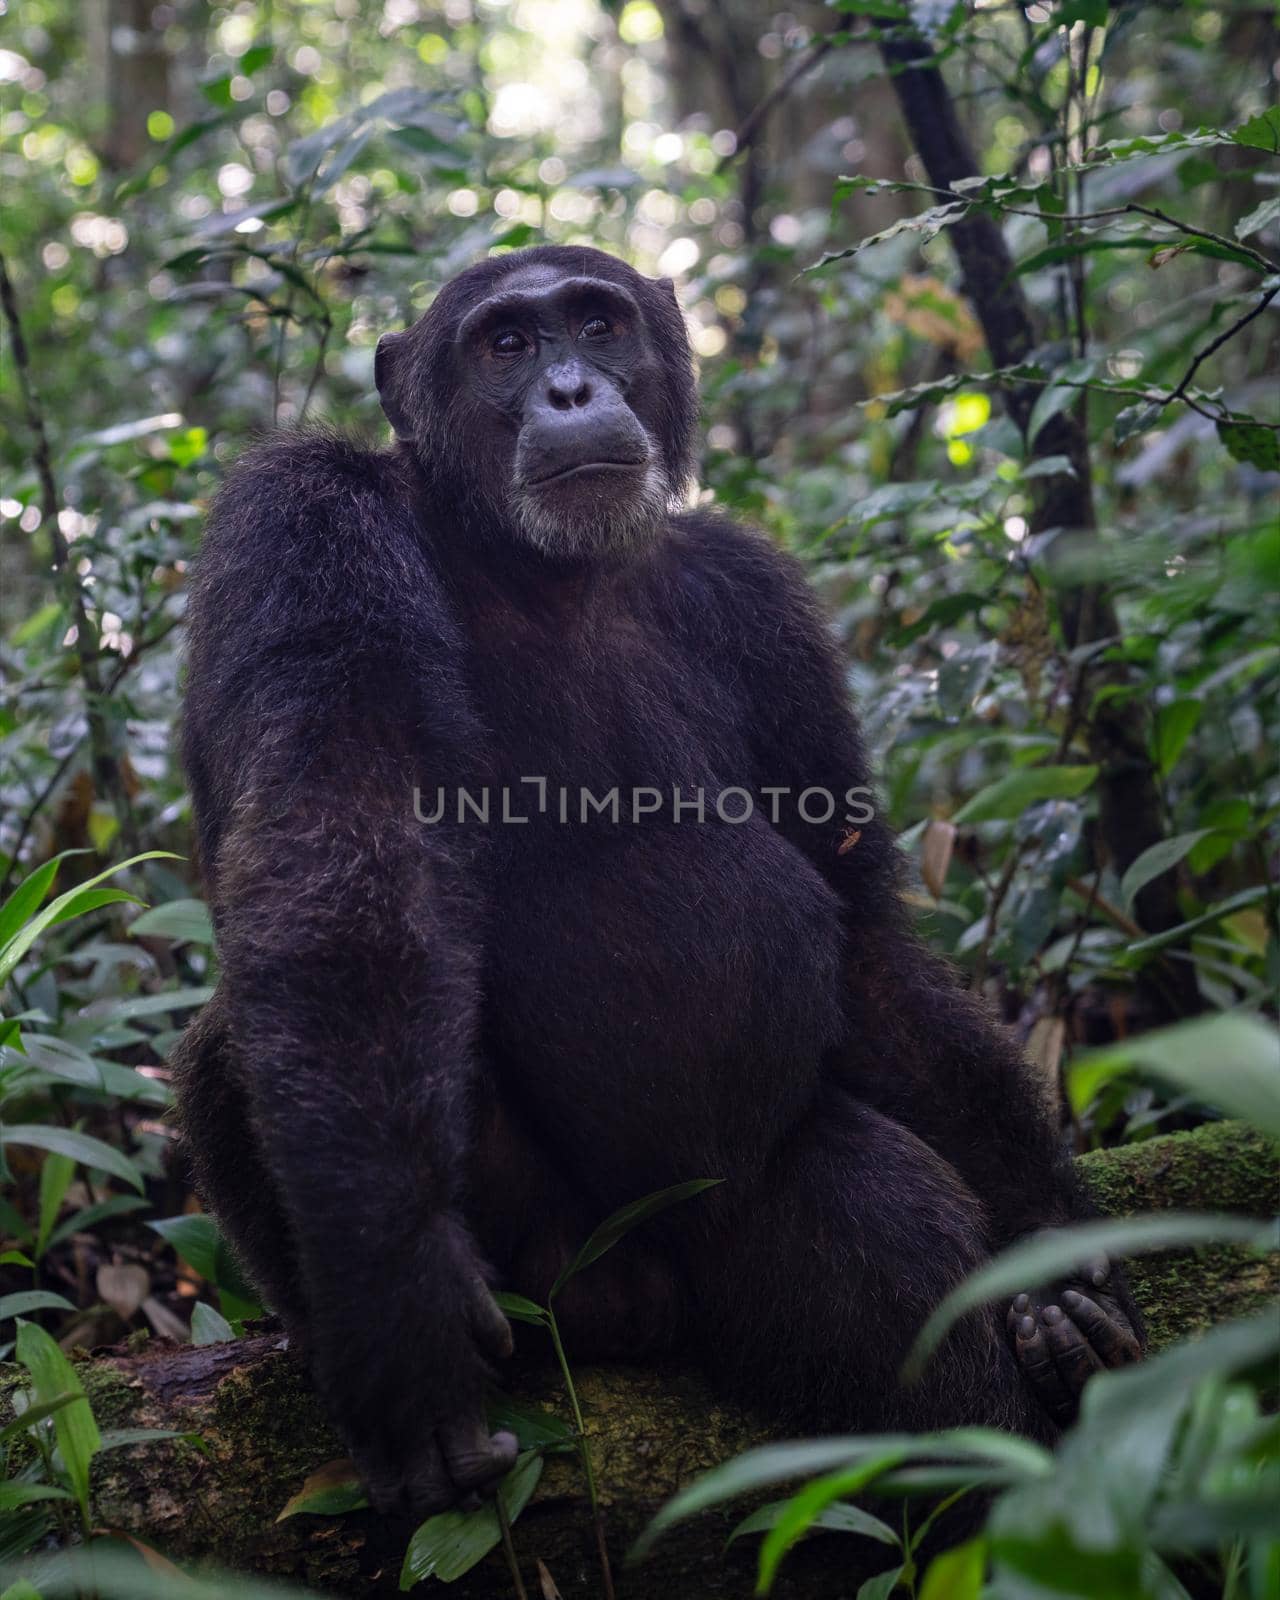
column 935, row 855
column 124, row 1287
column 546, row 1583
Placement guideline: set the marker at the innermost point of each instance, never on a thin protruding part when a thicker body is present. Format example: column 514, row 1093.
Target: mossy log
column 651, row 1432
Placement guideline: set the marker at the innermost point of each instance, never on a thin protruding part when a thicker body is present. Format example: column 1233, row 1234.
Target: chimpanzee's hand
column 1063, row 1336
column 413, row 1469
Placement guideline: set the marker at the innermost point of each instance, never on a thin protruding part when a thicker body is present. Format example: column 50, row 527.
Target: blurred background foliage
column 210, row 214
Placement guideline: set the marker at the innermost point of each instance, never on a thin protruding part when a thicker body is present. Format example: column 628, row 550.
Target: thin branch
column 32, row 812
column 756, row 118
column 1229, row 333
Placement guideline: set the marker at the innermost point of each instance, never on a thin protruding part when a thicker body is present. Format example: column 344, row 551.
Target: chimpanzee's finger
column 473, row 1457
column 1075, row 1361
column 1018, row 1309
column 1036, row 1361
column 491, row 1329
column 1110, row 1337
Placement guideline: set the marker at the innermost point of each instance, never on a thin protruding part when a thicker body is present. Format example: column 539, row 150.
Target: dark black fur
column 434, row 1047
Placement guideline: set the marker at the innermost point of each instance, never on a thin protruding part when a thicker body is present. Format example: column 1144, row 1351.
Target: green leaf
column 1253, row 442
column 14, row 1495
column 209, row 1326
column 1261, row 132
column 330, row 1491
column 66, row 905
column 27, row 898
column 1011, row 795
column 622, row 1222
column 1061, row 1252
column 1263, row 215
column 882, row 1585
column 81, row 1147
column 776, row 1463
column 1175, row 723
column 519, row 1309
column 199, row 1241
column 800, row 1511
column 56, row 1174
column 15, row 1258
column 534, row 1427
column 1178, row 935
column 52, row 1377
column 33, row 1414
column 25, row 1300
column 831, row 1519
column 451, row 1544
column 117, row 1205
column 1231, row 1061
column 1093, row 13
column 124, row 1438
column 957, row 1573
column 183, row 921
column 1056, row 397
column 1156, row 859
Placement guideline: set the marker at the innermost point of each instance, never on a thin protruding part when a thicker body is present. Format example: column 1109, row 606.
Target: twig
column 755, row 119
column 32, row 812
column 1216, row 344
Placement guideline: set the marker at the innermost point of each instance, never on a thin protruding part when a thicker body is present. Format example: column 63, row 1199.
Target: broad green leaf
column 1059, row 1252
column 831, row 1519
column 53, row 1376
column 882, row 1585
column 1261, row 132
column 14, row 1495
column 519, row 1309
column 330, row 1491
column 27, row 898
column 534, row 1427
column 81, row 1147
column 33, row 1414
column 118, row 1205
column 1253, row 442
column 956, row 1574
column 622, row 1222
column 1174, row 725
column 199, row 1241
column 777, row 1463
column 1262, row 216
column 15, row 1258
column 800, row 1511
column 1231, row 1061
column 1178, row 935
column 209, row 1326
column 1011, row 795
column 446, row 1546
column 56, row 1174
column 183, row 921
column 63, row 907
column 1156, row 859
column 27, row 1300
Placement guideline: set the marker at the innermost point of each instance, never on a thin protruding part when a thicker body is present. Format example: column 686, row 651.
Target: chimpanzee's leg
column 812, row 1283
column 231, row 1176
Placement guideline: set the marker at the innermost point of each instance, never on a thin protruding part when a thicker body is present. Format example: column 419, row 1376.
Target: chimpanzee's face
column 554, row 395
column 562, row 363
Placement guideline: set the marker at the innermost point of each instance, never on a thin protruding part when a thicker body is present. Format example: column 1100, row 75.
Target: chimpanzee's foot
column 1063, row 1336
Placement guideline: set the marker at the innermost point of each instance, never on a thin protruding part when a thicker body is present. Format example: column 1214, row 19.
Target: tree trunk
column 651, row 1431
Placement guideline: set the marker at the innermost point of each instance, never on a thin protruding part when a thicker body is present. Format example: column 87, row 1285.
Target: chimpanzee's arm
column 920, row 1048
column 322, row 689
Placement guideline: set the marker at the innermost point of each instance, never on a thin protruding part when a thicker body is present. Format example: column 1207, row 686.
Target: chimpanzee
column 533, row 818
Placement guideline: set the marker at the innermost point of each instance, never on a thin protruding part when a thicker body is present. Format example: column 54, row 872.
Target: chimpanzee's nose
column 568, row 389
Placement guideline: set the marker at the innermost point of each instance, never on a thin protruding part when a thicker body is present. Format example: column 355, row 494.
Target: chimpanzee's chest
column 646, row 922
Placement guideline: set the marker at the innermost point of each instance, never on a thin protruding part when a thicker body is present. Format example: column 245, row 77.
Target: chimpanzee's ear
column 669, row 286
column 388, row 373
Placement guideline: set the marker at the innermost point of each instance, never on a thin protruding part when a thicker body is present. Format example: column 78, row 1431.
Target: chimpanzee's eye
column 510, row 343
column 595, row 328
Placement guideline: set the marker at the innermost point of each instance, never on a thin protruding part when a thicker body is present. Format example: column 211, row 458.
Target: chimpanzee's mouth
column 581, row 468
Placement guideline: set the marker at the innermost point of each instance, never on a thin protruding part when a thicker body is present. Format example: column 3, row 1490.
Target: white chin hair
column 589, row 526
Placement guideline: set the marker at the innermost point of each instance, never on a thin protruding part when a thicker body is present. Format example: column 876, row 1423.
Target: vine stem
column 584, row 1452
